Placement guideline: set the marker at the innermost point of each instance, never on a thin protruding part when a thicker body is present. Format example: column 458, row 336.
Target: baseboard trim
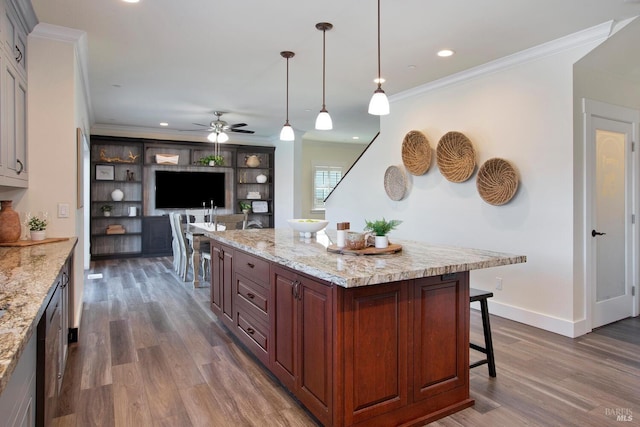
column 568, row 328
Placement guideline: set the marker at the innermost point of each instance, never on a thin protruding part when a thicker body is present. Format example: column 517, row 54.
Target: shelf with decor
column 255, row 184
column 116, row 197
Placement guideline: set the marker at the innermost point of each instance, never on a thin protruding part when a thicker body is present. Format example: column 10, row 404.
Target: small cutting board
column 21, row 243
column 370, row 250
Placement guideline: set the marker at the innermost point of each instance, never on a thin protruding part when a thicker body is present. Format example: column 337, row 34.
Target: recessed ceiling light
column 355, row 137
column 411, row 67
column 131, row 1
column 445, row 52
column 164, row 124
column 380, row 80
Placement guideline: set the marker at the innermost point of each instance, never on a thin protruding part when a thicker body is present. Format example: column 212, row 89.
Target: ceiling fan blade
column 238, row 125
column 200, row 124
column 241, row 131
column 196, row 130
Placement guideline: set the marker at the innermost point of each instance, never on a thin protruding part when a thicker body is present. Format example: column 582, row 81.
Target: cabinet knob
column 251, row 265
column 250, row 295
column 59, row 376
column 251, row 331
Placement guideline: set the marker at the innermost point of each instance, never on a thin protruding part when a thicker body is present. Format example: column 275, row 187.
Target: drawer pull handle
column 250, row 295
column 251, row 265
column 251, row 331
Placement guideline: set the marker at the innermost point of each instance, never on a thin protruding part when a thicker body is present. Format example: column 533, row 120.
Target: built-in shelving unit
column 129, row 164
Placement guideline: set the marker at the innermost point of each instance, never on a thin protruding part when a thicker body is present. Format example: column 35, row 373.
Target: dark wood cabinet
column 302, row 350
column 440, row 330
column 385, row 354
column 222, row 282
column 156, row 236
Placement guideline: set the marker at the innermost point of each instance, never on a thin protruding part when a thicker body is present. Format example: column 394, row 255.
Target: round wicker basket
column 456, row 157
column 395, row 182
column 497, row 181
column 416, row 152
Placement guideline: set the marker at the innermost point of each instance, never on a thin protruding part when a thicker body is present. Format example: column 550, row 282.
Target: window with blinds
column 324, row 179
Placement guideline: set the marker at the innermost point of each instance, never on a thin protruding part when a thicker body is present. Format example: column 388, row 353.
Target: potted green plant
column 380, row 228
column 37, row 226
column 245, row 207
column 211, row 160
column 106, row 210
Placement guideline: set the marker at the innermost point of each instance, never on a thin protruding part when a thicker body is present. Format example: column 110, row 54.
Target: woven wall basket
column 456, row 157
column 497, row 181
column 416, row 152
column 395, row 182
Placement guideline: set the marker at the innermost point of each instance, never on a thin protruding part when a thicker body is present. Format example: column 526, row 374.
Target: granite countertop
column 26, row 278
column 310, row 256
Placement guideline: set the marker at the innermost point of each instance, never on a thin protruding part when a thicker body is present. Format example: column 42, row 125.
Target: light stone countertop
column 27, row 275
column 310, row 256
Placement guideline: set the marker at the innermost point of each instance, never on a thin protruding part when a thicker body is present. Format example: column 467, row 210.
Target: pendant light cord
column 324, row 33
column 287, row 90
column 379, row 73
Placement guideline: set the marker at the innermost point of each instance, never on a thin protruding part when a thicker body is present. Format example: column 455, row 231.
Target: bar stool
column 482, row 296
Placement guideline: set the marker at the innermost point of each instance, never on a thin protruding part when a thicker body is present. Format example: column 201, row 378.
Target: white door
column 611, row 239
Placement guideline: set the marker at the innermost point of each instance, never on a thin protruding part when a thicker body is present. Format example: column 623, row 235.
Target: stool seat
column 482, row 296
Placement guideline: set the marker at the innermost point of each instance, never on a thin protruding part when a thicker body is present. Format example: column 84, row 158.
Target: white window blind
column 324, row 179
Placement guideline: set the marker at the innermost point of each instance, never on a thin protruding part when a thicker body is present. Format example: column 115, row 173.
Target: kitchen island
column 35, row 286
column 359, row 340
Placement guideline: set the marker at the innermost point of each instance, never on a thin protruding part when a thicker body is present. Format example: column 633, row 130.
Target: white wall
column 520, row 109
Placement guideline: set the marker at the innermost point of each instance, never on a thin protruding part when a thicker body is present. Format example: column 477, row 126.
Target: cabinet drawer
column 254, row 335
column 252, row 267
column 252, row 294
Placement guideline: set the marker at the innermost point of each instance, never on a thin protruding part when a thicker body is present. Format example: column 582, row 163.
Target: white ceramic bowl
column 307, row 225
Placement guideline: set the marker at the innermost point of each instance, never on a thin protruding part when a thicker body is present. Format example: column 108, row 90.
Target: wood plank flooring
column 151, row 353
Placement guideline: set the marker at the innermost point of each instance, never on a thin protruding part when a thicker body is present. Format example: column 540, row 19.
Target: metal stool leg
column 488, row 342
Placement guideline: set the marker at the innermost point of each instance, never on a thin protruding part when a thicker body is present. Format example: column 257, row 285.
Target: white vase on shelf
column 117, row 195
column 37, row 235
column 261, row 179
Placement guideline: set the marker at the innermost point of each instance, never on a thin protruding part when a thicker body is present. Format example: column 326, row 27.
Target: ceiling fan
column 218, row 128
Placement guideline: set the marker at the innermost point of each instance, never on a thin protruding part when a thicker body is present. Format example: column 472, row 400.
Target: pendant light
column 379, row 104
column 286, row 134
column 323, row 121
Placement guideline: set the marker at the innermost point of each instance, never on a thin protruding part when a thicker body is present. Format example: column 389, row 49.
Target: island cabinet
column 301, row 355
column 222, row 282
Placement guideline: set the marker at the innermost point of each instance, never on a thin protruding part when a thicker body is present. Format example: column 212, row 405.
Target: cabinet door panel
column 284, row 327
column 317, row 345
column 441, row 312
column 227, row 286
column 375, row 324
column 216, row 278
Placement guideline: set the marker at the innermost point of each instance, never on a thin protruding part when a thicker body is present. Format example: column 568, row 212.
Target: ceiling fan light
column 379, row 104
column 323, row 121
column 286, row 134
column 223, row 137
column 212, row 137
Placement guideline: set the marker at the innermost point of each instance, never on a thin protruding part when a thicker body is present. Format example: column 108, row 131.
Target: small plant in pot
column 380, row 228
column 245, row 207
column 211, row 160
column 106, row 210
column 37, row 226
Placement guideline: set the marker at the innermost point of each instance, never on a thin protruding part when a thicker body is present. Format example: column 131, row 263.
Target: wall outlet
column 499, row 283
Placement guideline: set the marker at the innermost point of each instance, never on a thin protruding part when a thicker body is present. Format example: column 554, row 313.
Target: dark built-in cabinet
column 133, row 226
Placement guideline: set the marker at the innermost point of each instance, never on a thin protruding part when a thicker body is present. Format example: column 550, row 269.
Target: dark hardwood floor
column 151, row 353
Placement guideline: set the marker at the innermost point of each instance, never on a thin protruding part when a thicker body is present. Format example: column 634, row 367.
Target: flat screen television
column 184, row 190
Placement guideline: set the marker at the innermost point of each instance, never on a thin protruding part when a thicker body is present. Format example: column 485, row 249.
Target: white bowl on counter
column 307, row 226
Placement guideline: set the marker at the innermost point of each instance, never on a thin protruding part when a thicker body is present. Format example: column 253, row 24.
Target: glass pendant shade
column 223, row 137
column 218, row 137
column 286, row 134
column 379, row 104
column 323, row 121
column 212, row 137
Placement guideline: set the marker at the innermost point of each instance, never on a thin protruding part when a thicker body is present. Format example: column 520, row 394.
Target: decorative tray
column 34, row 242
column 370, row 250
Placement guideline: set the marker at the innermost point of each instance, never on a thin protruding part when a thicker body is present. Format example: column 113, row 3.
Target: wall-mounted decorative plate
column 416, row 152
column 497, row 181
column 395, row 182
column 456, row 157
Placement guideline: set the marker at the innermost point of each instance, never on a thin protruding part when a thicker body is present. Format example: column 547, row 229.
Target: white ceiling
column 178, row 61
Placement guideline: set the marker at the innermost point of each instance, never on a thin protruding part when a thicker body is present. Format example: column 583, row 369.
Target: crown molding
column 596, row 34
column 57, row 33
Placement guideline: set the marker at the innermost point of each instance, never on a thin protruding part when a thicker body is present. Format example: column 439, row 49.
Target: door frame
column 595, row 109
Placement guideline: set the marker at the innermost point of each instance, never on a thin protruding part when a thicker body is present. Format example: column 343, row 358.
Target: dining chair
column 175, row 245
column 186, row 259
column 197, row 215
column 231, row 221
